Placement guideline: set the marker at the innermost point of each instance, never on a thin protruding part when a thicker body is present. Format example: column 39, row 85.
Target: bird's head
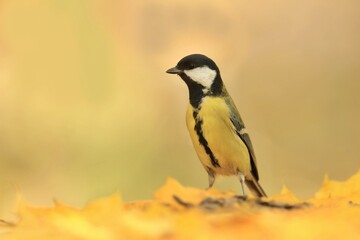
column 199, row 72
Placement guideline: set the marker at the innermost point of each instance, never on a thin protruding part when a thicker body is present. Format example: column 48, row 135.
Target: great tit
column 217, row 132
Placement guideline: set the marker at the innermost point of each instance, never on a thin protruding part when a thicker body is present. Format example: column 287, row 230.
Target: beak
column 174, row 70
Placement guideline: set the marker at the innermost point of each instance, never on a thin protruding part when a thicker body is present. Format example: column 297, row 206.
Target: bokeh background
column 86, row 108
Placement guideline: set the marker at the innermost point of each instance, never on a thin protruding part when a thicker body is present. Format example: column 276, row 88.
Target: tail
column 254, row 187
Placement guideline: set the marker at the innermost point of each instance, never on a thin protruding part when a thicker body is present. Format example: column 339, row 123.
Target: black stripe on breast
column 202, row 140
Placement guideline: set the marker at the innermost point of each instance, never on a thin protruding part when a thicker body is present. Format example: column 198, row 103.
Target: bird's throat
column 196, row 91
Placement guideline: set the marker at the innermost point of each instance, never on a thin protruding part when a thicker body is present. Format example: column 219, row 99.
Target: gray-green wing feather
column 244, row 136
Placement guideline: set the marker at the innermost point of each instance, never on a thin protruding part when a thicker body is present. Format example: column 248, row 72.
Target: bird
column 216, row 129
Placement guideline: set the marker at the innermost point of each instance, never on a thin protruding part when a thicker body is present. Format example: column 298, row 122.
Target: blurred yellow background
column 86, row 108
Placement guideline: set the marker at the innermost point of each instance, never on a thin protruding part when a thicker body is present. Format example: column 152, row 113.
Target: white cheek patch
column 202, row 75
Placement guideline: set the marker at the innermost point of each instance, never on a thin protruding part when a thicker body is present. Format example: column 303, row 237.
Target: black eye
column 191, row 66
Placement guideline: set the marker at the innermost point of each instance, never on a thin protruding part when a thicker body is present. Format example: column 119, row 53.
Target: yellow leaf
column 334, row 213
column 339, row 192
column 173, row 188
column 285, row 196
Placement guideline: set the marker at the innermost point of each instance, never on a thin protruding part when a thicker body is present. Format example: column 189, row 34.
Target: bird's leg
column 211, row 180
column 242, row 181
column 211, row 177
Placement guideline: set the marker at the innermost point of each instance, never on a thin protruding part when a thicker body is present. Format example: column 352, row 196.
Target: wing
column 244, row 136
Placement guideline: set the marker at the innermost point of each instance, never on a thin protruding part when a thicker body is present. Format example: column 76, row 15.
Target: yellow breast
column 219, row 132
